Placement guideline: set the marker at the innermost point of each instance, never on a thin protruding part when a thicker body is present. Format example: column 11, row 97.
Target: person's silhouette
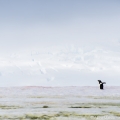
column 101, row 84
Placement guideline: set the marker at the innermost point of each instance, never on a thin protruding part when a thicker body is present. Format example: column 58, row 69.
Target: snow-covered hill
column 64, row 66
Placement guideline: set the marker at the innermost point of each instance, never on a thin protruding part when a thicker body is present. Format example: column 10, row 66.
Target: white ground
column 60, row 103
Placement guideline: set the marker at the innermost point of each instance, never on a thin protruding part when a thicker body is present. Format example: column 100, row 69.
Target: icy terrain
column 59, row 103
column 57, row 66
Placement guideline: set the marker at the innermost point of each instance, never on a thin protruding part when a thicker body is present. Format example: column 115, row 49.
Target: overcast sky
column 59, row 42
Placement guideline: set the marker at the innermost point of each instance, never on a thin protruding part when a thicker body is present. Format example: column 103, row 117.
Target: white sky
column 59, row 42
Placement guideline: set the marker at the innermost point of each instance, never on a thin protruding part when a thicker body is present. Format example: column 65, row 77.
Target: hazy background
column 59, row 42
